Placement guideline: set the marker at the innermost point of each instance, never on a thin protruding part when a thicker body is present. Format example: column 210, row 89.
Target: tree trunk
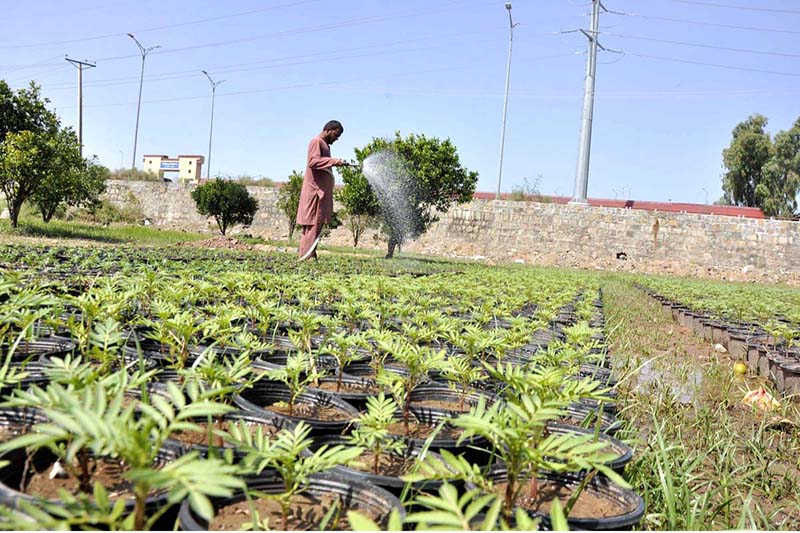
column 13, row 212
column 47, row 214
column 392, row 246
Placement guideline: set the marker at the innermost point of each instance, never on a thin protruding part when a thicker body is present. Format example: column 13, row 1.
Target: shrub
column 289, row 199
column 250, row 181
column 133, row 174
column 228, row 202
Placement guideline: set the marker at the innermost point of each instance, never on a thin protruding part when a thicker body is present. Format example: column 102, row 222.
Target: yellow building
column 188, row 167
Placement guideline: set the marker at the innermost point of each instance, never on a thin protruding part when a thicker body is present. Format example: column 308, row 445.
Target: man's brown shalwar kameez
column 316, row 196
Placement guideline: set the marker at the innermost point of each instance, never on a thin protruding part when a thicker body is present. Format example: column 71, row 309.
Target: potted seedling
column 297, row 375
column 519, row 438
column 88, row 426
column 371, row 432
column 287, row 454
column 418, row 361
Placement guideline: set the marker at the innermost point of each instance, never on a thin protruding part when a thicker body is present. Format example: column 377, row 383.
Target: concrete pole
column 585, row 146
column 80, row 65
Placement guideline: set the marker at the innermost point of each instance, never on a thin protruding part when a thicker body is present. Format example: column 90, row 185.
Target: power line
column 745, row 8
column 159, row 28
column 700, row 45
column 302, row 59
column 710, row 24
column 716, row 65
column 309, row 29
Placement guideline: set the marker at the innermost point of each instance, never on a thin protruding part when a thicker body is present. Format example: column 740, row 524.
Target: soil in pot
column 588, row 505
column 362, row 386
column 108, row 472
column 15, row 421
column 422, row 430
column 322, row 494
column 315, row 411
column 306, row 514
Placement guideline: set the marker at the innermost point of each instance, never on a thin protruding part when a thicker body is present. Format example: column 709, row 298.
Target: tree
column 289, row 199
column 33, row 146
column 762, row 172
column 744, row 159
column 360, row 204
column 777, row 192
column 410, row 181
column 72, row 180
column 228, row 202
column 24, row 110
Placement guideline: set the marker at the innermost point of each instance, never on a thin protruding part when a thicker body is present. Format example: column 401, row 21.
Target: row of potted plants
column 228, row 418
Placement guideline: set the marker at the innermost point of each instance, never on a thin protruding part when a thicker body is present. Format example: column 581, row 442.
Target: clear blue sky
column 691, row 70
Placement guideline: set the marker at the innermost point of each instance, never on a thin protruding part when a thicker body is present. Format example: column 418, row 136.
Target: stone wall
column 500, row 230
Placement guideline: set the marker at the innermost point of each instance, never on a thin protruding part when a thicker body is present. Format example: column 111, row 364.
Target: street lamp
column 511, row 26
column 211, row 130
column 144, row 51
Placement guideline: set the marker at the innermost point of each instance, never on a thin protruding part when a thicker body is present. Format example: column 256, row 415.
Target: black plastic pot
column 35, row 375
column 262, row 394
column 622, row 452
column 437, row 392
column 631, row 505
column 16, row 421
column 584, row 415
column 475, row 449
column 263, row 419
column 393, row 484
column 597, row 373
column 350, row 389
column 41, row 460
column 42, row 348
column 354, row 495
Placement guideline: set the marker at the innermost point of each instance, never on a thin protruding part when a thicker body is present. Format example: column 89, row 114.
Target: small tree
column 360, row 205
column 228, row 202
column 30, row 142
column 289, row 199
column 418, row 177
column 75, row 182
column 744, row 160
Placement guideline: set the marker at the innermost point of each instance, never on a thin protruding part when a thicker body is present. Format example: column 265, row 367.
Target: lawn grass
column 703, row 460
column 112, row 234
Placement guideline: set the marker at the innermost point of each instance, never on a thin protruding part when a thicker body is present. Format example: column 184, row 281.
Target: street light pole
column 211, row 129
column 144, row 51
column 511, row 26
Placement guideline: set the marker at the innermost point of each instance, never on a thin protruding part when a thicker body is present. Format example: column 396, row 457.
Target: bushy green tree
column 777, row 192
column 73, row 181
column 744, row 159
column 360, row 204
column 762, row 172
column 424, row 173
column 228, row 202
column 289, row 199
column 33, row 146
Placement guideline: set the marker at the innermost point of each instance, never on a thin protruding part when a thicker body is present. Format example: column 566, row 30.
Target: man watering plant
column 316, row 196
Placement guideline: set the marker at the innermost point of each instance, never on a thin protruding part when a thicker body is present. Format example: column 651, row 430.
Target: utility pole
column 584, row 148
column 80, row 66
column 511, row 26
column 144, row 51
column 211, row 130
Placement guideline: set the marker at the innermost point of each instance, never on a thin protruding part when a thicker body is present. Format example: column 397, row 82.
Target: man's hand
column 340, row 163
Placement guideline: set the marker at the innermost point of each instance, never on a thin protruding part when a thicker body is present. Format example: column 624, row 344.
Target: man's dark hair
column 333, row 125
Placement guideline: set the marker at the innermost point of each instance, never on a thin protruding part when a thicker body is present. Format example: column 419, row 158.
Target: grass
column 113, row 234
column 703, row 460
